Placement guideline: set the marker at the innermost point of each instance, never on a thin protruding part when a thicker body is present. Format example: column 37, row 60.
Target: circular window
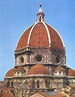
column 38, row 58
column 57, row 59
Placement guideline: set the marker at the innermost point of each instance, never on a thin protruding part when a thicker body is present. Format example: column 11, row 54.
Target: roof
column 5, row 92
column 37, row 95
column 43, row 94
column 38, row 69
column 56, row 40
column 72, row 96
column 59, row 67
column 40, row 34
column 10, row 73
column 2, row 84
column 19, row 68
column 71, row 72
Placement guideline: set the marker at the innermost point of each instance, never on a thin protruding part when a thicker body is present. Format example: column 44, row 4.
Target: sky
column 17, row 15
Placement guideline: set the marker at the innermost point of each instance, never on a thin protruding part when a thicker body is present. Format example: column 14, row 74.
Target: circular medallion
column 38, row 57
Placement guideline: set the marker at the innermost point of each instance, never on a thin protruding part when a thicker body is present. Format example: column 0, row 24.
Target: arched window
column 57, row 59
column 21, row 60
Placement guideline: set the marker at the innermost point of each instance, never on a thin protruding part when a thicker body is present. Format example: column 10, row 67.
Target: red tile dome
column 40, row 35
column 38, row 69
column 10, row 73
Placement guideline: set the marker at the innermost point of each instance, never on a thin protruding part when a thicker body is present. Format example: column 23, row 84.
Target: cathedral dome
column 38, row 69
column 40, row 34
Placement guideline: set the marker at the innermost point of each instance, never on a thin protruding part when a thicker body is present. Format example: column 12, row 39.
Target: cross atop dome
column 40, row 5
column 40, row 14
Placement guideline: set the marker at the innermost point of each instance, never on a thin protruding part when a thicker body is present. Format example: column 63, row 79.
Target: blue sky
column 18, row 15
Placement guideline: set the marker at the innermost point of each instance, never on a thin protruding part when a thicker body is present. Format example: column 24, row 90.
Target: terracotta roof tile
column 72, row 96
column 23, row 39
column 5, row 92
column 71, row 72
column 19, row 68
column 39, row 36
column 59, row 68
column 10, row 73
column 56, row 41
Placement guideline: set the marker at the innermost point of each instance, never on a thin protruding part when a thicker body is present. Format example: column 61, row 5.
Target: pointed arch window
column 58, row 59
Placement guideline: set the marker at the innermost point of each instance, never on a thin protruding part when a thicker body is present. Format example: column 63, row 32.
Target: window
column 57, row 59
column 33, row 84
column 60, row 72
column 18, row 72
column 11, row 84
column 2, row 90
column 55, row 71
column 37, row 83
column 38, row 58
column 47, row 83
column 21, row 60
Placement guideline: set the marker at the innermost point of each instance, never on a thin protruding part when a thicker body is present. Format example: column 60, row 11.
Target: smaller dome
column 10, row 73
column 38, row 69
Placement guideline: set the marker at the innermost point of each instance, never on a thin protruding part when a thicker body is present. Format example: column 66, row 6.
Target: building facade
column 40, row 61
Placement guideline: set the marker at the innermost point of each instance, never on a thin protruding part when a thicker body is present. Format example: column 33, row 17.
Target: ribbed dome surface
column 23, row 39
column 38, row 69
column 56, row 41
column 40, row 35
